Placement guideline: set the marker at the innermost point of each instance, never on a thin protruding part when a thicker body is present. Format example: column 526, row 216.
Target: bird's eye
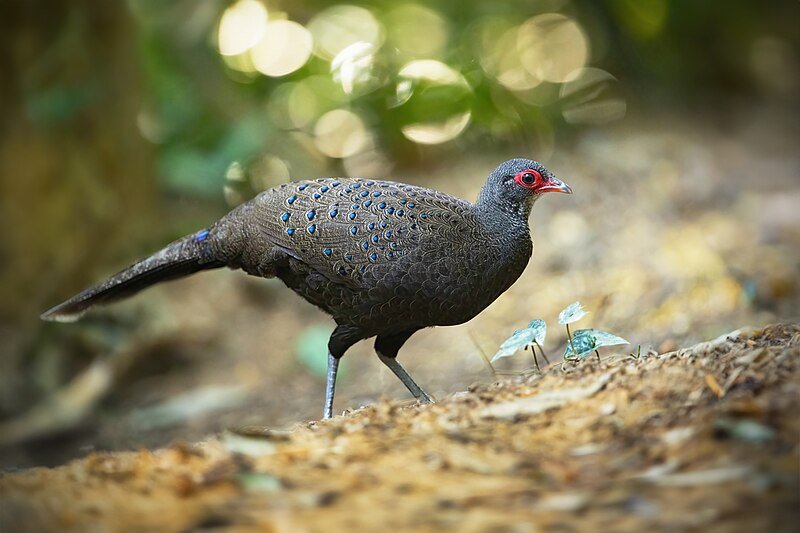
column 528, row 178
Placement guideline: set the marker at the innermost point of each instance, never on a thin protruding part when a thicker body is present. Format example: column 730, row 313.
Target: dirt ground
column 699, row 439
column 679, row 230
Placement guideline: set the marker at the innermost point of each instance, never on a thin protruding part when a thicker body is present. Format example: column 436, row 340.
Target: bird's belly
column 433, row 289
column 430, row 294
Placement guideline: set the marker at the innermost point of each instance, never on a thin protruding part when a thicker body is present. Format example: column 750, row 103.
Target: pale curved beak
column 555, row 185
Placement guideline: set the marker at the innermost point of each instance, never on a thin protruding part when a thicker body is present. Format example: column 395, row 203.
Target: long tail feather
column 183, row 257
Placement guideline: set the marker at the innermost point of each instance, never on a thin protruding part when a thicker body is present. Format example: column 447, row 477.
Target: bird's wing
column 344, row 228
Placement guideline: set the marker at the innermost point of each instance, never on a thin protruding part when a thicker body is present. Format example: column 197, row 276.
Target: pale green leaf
column 534, row 333
column 572, row 313
column 585, row 341
column 539, row 329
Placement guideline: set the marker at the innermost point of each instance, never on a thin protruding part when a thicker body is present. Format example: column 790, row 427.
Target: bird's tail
column 183, row 257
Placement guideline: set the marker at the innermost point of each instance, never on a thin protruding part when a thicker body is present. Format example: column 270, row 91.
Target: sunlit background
column 128, row 124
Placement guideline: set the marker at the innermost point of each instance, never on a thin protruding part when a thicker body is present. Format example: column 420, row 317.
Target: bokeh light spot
column 552, row 47
column 284, row 48
column 593, row 97
column 353, row 66
column 338, row 27
column 435, row 100
column 242, row 25
column 500, row 58
column 340, row 133
column 416, row 31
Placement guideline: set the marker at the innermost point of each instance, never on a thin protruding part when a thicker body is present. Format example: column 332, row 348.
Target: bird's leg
column 387, row 347
column 342, row 338
column 401, row 373
column 330, row 384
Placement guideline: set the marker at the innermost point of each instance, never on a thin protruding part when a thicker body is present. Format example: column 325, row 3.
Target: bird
column 384, row 259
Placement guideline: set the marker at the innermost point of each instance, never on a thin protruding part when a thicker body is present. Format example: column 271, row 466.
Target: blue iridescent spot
column 312, row 228
column 370, row 183
column 349, row 257
column 374, row 238
column 336, row 183
column 200, row 237
column 291, row 200
column 302, row 187
column 368, row 203
column 412, row 204
column 376, row 194
column 390, row 254
column 390, row 210
column 354, row 230
column 285, row 217
column 400, row 212
column 388, row 234
column 365, row 245
column 371, row 225
column 423, row 215
column 373, row 256
column 384, row 224
column 342, row 271
column 348, row 190
column 290, row 231
column 403, row 202
column 324, row 188
column 311, row 214
column 363, row 268
column 351, row 216
column 328, row 252
column 412, row 194
column 356, row 185
column 354, row 206
column 382, row 205
column 332, row 213
column 393, row 245
column 317, row 195
column 364, row 193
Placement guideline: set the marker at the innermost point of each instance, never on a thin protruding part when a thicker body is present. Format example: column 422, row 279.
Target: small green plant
column 572, row 313
column 580, row 344
column 532, row 336
column 636, row 356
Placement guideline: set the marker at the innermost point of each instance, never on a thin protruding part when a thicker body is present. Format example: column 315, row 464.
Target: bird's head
column 516, row 184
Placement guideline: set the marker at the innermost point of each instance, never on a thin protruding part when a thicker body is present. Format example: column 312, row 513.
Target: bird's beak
column 554, row 185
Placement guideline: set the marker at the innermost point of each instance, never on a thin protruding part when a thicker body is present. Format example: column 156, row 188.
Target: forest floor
column 679, row 230
column 704, row 438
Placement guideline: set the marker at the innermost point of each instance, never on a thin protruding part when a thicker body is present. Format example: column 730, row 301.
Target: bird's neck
column 507, row 235
column 502, row 215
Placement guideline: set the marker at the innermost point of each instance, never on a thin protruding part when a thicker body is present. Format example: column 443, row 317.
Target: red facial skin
column 533, row 180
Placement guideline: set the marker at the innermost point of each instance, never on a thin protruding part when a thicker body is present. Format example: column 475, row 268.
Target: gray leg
column 401, row 373
column 330, row 385
column 387, row 347
column 342, row 338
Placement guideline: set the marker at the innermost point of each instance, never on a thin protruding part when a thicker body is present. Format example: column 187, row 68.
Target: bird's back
column 377, row 254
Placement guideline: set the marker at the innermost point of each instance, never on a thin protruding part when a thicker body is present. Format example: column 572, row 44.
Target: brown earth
column 700, row 439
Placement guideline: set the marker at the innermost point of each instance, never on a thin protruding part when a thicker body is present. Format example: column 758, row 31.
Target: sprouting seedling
column 586, row 341
column 638, row 353
column 572, row 313
column 532, row 336
column 582, row 343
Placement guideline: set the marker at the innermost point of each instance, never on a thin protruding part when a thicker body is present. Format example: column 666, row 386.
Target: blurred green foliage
column 506, row 73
